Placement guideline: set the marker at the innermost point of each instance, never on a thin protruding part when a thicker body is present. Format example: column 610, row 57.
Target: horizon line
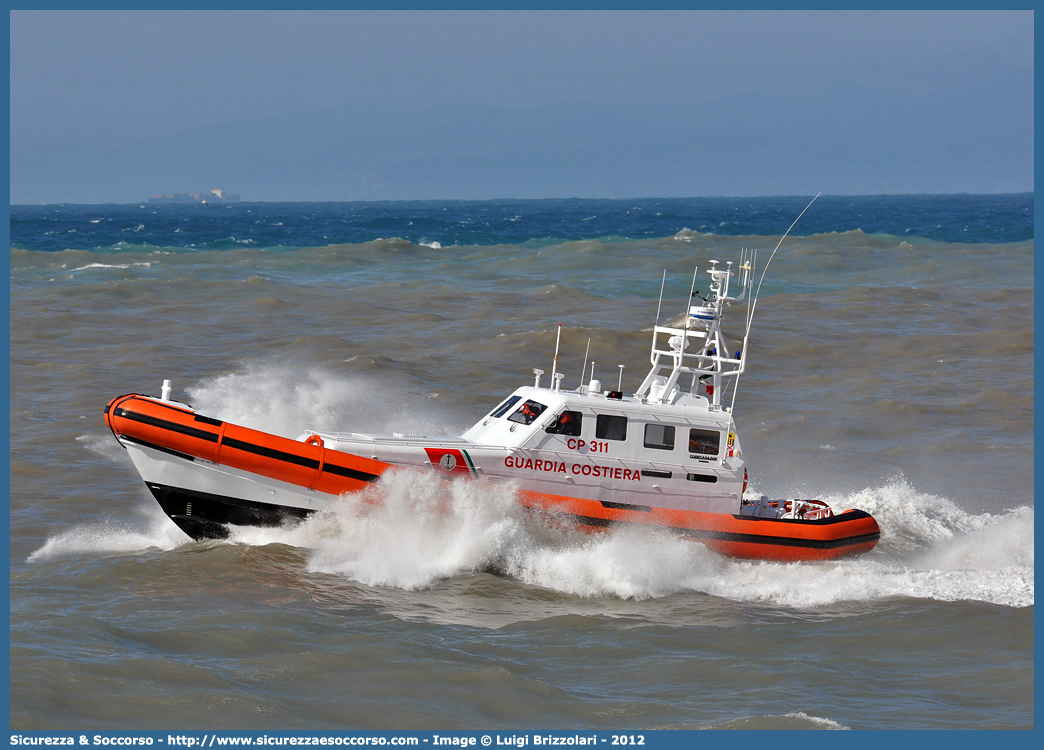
column 550, row 198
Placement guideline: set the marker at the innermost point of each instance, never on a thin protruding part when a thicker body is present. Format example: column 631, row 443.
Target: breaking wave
column 110, row 538
column 411, row 531
column 286, row 400
column 792, row 720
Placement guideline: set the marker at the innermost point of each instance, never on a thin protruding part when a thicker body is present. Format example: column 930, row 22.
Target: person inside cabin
column 568, row 423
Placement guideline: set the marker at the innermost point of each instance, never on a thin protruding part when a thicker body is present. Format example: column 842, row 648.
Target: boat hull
column 749, row 537
column 208, row 475
column 203, row 515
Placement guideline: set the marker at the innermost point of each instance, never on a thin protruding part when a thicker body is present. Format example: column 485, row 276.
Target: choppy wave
column 113, row 537
column 792, row 720
column 411, row 532
column 89, row 266
column 949, row 218
column 874, row 384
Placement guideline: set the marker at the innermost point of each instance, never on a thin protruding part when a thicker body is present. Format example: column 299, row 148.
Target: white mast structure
column 701, row 327
column 698, row 347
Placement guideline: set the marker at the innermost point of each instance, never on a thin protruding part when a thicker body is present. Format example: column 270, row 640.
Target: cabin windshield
column 503, row 408
column 528, row 412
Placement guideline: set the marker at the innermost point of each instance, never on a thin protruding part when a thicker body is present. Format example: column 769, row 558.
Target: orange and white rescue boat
column 666, row 456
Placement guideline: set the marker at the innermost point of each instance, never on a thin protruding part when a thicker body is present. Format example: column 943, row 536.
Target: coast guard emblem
column 451, row 461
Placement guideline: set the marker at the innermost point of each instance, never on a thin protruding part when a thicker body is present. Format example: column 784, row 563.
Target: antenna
column 658, row 305
column 583, row 367
column 753, row 303
column 619, row 383
column 554, row 365
column 765, row 270
column 688, row 304
column 662, row 282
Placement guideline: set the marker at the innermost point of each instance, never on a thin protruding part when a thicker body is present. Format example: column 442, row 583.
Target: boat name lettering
column 538, row 465
column 587, row 470
column 596, row 446
column 611, row 472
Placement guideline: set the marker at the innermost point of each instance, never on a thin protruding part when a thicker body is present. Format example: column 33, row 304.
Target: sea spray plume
column 412, row 530
column 102, row 444
column 111, row 537
column 627, row 564
column 408, row 531
column 283, row 398
column 925, row 527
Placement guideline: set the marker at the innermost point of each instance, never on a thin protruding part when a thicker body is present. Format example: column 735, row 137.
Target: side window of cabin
column 503, row 408
column 568, row 423
column 526, row 413
column 707, row 442
column 608, row 427
column 659, row 436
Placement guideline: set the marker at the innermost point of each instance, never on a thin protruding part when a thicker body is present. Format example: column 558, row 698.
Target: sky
column 86, row 82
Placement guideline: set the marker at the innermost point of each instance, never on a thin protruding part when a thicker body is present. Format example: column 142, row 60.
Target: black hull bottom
column 205, row 516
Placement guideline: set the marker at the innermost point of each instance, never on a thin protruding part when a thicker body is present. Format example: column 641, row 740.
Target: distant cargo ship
column 217, row 195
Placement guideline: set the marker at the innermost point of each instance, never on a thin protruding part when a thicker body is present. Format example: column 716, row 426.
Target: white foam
column 112, row 265
column 823, row 723
column 792, row 720
column 406, row 533
column 434, row 245
column 111, row 538
column 286, row 399
column 412, row 530
column 104, row 445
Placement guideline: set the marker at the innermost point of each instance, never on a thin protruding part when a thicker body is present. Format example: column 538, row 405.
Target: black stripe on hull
column 202, row 515
column 230, row 442
column 160, row 448
column 625, row 506
column 278, row 455
column 163, row 424
column 732, row 536
column 344, row 471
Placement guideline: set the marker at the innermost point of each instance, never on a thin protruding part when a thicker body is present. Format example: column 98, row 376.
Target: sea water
column 890, row 369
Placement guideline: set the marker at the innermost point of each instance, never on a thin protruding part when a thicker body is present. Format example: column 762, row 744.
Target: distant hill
column 847, row 141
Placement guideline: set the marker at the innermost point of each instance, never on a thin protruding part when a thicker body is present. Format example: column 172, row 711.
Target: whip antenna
column 765, row 269
column 662, row 282
column 754, row 303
